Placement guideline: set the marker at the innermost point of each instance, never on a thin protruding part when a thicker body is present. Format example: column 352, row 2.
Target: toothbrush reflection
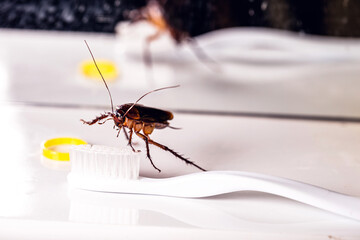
column 246, row 211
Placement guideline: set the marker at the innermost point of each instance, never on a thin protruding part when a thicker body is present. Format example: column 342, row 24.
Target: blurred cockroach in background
column 186, row 19
column 137, row 118
column 160, row 13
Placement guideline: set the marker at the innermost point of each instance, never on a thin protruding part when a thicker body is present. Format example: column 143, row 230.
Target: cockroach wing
column 132, row 114
column 146, row 114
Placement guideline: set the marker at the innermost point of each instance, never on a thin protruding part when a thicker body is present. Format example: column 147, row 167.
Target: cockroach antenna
column 112, row 105
column 148, row 94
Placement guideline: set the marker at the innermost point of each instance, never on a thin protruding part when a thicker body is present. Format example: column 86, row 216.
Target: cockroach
column 155, row 12
column 138, row 119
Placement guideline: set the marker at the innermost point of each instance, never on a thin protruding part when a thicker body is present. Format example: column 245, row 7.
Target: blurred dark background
column 319, row 17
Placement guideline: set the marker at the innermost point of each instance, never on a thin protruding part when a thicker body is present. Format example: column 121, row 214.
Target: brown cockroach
column 137, row 118
column 154, row 12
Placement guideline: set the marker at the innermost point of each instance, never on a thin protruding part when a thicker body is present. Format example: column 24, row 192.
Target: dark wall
column 78, row 15
column 321, row 17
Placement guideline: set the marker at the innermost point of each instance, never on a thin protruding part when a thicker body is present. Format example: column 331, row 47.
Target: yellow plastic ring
column 50, row 145
column 107, row 68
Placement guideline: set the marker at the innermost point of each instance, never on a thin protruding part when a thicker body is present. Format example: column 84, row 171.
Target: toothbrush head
column 97, row 161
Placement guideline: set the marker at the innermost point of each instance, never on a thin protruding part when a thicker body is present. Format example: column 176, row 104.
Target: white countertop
column 319, row 153
column 36, row 202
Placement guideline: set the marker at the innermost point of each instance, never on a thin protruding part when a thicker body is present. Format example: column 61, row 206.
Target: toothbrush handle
column 218, row 182
column 205, row 184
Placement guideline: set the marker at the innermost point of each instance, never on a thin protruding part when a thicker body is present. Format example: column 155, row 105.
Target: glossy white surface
column 323, row 154
column 36, row 203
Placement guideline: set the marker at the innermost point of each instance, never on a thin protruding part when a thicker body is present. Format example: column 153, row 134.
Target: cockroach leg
column 187, row 161
column 130, row 141
column 146, row 139
column 147, row 53
column 202, row 56
column 126, row 134
column 148, row 41
column 97, row 119
column 104, row 121
column 119, row 130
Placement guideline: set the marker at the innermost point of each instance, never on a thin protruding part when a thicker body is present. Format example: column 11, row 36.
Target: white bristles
column 104, row 162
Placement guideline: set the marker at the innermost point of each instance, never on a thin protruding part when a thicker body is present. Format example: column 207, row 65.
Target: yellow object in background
column 108, row 70
column 58, row 148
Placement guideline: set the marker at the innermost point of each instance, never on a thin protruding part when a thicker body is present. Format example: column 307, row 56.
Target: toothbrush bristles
column 104, row 162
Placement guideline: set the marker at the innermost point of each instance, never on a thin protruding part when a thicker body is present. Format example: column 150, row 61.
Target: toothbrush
column 107, row 169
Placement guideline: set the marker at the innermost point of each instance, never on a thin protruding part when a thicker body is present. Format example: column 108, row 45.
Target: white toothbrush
column 105, row 169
